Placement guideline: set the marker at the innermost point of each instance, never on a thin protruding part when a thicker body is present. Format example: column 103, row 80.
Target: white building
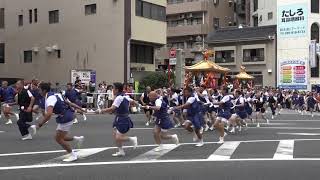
column 263, row 12
column 47, row 39
column 298, row 24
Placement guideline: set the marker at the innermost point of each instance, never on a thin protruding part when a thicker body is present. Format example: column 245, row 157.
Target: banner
column 292, row 20
column 312, row 54
column 84, row 75
column 293, row 74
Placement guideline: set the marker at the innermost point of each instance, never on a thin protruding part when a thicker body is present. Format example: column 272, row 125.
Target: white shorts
column 65, row 127
column 89, row 100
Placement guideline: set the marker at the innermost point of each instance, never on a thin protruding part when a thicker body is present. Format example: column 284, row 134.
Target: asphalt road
column 287, row 148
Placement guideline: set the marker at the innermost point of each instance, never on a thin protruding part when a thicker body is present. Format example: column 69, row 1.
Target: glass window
column 255, row 5
column 58, row 53
column 27, row 58
column 270, row 15
column 138, row 8
column 253, row 55
column 224, row 56
column 315, row 32
column 146, row 10
column 315, row 6
column 142, row 54
column 2, row 53
column 30, row 16
column 216, row 23
column 90, row 9
column 1, row 18
column 20, row 20
column 151, row 11
column 35, row 11
column 54, row 17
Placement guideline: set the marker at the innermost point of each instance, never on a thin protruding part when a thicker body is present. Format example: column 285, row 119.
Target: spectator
column 110, row 95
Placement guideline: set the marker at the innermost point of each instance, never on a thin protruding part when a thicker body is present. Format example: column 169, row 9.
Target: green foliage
column 156, row 80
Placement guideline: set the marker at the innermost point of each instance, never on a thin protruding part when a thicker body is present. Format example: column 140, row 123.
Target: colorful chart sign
column 293, row 74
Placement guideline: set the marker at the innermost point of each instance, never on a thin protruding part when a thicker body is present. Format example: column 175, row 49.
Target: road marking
column 224, row 151
column 147, row 162
column 31, row 153
column 295, row 120
column 1, row 131
column 284, row 150
column 301, row 134
column 82, row 153
column 154, row 145
column 153, row 155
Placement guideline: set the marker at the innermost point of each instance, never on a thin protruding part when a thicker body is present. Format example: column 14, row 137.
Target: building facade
column 47, row 39
column 263, row 12
column 298, row 24
column 188, row 19
column 251, row 47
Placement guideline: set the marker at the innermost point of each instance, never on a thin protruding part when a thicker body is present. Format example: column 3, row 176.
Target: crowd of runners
column 196, row 109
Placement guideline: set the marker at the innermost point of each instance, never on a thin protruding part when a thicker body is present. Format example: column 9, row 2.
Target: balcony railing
column 253, row 59
column 224, row 60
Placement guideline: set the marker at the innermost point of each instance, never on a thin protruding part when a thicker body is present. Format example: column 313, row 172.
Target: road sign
column 173, row 61
column 173, row 53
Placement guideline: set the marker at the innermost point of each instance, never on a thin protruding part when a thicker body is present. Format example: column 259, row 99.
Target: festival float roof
column 243, row 74
column 207, row 65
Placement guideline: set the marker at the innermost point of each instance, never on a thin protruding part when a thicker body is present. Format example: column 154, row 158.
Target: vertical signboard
column 292, row 20
column 312, row 53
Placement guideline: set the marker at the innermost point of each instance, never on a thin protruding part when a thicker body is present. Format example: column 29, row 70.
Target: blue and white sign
column 292, row 20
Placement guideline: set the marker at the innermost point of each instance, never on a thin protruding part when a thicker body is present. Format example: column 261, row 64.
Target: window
column 1, row 18
column 255, row 5
column 270, row 15
column 253, row 55
column 30, row 16
column 90, row 9
column 2, row 53
column 142, row 54
column 54, row 17
column 314, row 6
column 224, row 56
column 35, row 12
column 216, row 2
column 216, row 23
column 146, row 10
column 58, row 53
column 174, row 1
column 255, row 21
column 138, row 8
column 20, row 20
column 178, row 45
column 315, row 32
column 151, row 11
column 27, row 56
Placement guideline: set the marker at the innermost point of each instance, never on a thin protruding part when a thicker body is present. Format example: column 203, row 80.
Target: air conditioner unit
column 49, row 49
column 55, row 47
column 35, row 49
column 182, row 16
column 215, row 2
column 190, row 15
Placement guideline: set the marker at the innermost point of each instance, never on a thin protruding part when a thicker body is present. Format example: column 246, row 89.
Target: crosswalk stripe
column 153, row 155
column 82, row 153
column 224, row 151
column 284, row 150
